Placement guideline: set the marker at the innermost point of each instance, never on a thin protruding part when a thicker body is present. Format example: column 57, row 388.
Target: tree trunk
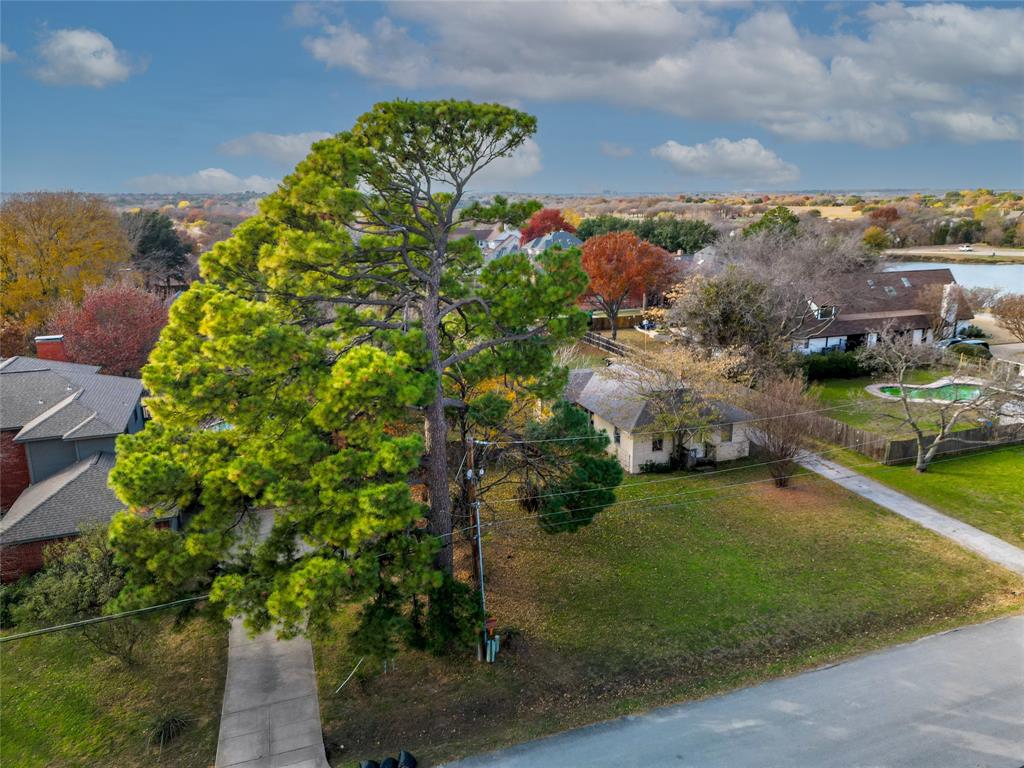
column 437, row 446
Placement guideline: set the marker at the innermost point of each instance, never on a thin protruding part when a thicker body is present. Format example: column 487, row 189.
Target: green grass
column 64, row 704
column 874, row 414
column 670, row 598
column 984, row 489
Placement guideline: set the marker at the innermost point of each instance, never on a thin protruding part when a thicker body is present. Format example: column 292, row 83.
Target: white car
column 965, row 248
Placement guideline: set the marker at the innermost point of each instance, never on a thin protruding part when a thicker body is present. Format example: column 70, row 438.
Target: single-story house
column 495, row 240
column 629, row 419
column 59, row 423
column 849, row 311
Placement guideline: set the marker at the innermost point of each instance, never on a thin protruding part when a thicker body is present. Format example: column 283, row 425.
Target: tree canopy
column 501, row 211
column 622, row 266
column 157, row 250
column 115, row 327
column 339, row 335
column 778, row 220
column 53, row 246
column 543, row 222
column 686, row 235
column 602, row 225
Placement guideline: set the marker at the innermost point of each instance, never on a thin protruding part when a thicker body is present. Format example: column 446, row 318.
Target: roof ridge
column 53, row 410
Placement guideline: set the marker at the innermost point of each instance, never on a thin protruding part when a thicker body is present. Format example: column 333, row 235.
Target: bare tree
column 782, row 406
column 1009, row 311
column 934, row 422
column 941, row 303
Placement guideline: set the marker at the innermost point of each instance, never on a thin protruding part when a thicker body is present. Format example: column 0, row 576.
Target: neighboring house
column 629, row 419
column 849, row 312
column 495, row 240
column 560, row 239
column 58, row 425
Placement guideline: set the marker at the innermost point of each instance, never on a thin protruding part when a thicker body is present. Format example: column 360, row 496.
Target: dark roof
column 47, row 399
column 866, row 301
column 62, row 504
column 614, row 401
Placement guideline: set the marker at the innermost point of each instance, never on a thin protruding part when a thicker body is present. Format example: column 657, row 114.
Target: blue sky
column 643, row 98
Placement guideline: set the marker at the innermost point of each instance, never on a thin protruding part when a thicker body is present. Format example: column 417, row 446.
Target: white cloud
column 744, row 161
column 507, row 171
column 82, row 57
column 387, row 53
column 283, row 148
column 970, row 126
column 6, row 54
column 211, row 180
column 611, row 149
column 877, row 87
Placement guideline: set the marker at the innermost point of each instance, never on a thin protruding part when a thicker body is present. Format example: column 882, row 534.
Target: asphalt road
column 954, row 700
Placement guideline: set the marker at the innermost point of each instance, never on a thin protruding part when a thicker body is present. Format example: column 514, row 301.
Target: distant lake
column 1009, row 277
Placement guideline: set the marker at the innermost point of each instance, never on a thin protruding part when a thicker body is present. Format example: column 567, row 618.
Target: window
column 657, row 445
column 825, row 313
column 726, row 433
column 906, row 282
column 890, row 291
column 618, row 437
column 871, row 283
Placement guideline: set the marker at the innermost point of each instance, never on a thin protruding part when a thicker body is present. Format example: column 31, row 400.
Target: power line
column 101, row 619
column 663, row 431
column 804, row 474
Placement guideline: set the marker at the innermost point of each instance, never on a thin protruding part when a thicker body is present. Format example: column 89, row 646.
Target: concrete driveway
column 954, row 700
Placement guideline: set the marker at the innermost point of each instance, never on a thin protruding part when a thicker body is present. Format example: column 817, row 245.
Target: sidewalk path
column 954, row 700
column 271, row 713
column 985, row 544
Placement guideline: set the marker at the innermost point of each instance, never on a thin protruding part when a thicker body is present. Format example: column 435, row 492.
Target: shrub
column 973, row 332
column 970, row 351
column 833, row 365
column 656, row 467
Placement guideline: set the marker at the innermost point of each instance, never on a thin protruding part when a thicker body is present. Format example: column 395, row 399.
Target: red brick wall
column 20, row 560
column 52, row 349
column 14, row 476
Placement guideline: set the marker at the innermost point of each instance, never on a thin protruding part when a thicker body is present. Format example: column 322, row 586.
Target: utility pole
column 472, row 476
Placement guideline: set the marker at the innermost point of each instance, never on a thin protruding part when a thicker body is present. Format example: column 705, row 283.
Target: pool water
column 948, row 392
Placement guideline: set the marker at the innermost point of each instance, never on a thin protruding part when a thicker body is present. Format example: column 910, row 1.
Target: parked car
column 965, row 247
column 959, row 340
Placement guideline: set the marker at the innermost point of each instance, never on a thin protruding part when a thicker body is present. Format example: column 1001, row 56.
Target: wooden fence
column 891, row 451
column 606, row 345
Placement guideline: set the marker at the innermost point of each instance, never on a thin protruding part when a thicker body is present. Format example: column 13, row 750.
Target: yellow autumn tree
column 54, row 246
column 572, row 216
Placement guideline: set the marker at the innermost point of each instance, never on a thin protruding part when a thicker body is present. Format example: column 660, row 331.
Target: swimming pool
column 947, row 392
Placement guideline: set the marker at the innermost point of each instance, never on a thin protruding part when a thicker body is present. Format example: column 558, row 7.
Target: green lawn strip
column 63, row 703
column 984, row 489
column 665, row 600
column 875, row 414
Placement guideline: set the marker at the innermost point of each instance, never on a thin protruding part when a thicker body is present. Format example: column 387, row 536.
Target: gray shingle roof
column 47, row 399
column 61, row 505
column 614, row 401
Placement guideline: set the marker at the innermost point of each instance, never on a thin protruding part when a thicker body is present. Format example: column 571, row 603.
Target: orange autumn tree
column 621, row 266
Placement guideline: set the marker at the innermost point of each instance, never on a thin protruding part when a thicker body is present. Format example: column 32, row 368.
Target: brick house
column 59, row 422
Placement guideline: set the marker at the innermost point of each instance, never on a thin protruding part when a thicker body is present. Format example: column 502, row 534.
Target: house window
column 657, row 444
column 825, row 313
column 871, row 283
column 890, row 291
column 906, row 282
column 617, row 436
column 726, row 433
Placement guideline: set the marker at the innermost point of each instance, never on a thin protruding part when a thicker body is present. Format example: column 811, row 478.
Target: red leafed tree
column 885, row 215
column 542, row 222
column 622, row 266
column 115, row 327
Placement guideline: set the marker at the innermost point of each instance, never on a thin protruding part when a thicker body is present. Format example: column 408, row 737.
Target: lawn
column 64, row 704
column 691, row 586
column 983, row 489
column 874, row 414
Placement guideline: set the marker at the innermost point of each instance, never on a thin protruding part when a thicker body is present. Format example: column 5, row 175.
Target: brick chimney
column 51, row 348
